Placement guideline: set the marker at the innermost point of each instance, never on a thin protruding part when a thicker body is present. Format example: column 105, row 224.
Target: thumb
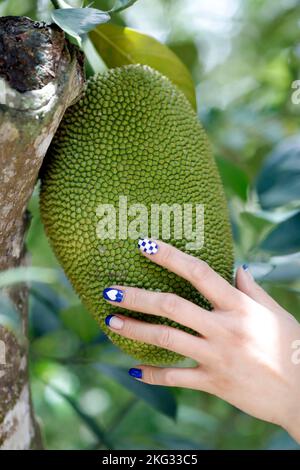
column 246, row 283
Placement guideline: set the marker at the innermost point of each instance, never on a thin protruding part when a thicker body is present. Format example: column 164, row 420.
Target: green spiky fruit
column 132, row 135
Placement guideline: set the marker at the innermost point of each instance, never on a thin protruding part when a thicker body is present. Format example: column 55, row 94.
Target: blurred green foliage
column 244, row 57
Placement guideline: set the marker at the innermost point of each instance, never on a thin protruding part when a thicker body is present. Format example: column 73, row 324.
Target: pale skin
column 243, row 353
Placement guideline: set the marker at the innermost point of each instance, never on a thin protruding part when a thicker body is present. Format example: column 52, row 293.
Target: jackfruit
column 133, row 135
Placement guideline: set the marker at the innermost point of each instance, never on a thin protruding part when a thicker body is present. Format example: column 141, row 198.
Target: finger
column 163, row 336
column 246, row 283
column 216, row 289
column 195, row 378
column 166, row 305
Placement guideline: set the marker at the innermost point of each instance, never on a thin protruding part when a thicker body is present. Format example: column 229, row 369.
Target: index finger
column 207, row 281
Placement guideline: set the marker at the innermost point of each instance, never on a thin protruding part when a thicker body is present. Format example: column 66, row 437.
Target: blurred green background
column 244, row 57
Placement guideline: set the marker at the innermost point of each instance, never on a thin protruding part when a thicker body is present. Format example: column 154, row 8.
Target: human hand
column 244, row 349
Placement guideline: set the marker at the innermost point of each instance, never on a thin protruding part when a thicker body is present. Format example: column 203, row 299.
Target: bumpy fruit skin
column 134, row 134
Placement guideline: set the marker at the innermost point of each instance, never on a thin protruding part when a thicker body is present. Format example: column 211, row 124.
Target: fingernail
column 115, row 295
column 147, row 246
column 247, row 271
column 136, row 373
column 114, row 322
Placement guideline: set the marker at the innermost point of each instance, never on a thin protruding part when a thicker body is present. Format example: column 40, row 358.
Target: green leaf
column 282, row 441
column 60, row 344
column 86, row 419
column 167, row 441
column 122, row 5
column 73, row 4
column 285, row 238
column 79, row 21
column 159, row 398
column 93, row 63
column 278, row 182
column 28, row 274
column 278, row 269
column 77, row 319
column 289, row 299
column 122, row 46
column 274, row 216
column 234, row 179
column 253, row 228
column 45, row 305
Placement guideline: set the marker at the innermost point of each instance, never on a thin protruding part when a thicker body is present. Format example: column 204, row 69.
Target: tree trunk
column 41, row 74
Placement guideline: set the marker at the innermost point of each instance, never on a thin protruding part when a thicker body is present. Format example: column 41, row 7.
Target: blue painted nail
column 115, row 295
column 107, row 319
column 245, row 267
column 147, row 246
column 136, row 373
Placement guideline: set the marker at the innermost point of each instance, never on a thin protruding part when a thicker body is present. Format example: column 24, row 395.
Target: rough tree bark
column 41, row 74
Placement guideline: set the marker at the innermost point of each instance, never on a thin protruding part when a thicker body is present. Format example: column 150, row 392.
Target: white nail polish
column 116, row 323
column 148, row 246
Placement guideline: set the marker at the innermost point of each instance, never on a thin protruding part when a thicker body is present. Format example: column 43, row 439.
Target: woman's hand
column 244, row 351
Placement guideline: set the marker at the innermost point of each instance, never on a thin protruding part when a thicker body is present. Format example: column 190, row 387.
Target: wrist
column 292, row 422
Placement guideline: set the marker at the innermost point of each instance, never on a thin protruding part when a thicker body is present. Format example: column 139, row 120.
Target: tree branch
column 41, row 74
